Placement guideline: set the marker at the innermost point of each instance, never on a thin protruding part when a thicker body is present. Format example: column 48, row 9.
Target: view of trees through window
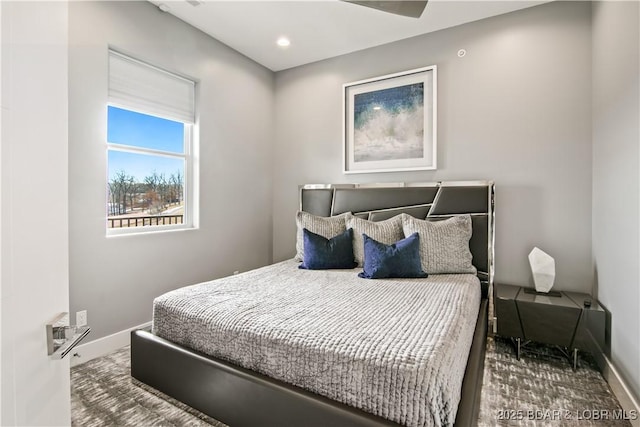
column 157, row 195
column 146, row 182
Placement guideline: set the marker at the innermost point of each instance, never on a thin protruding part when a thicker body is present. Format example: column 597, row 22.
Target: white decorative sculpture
column 543, row 267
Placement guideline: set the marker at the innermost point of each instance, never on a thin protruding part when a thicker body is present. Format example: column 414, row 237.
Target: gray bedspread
column 396, row 348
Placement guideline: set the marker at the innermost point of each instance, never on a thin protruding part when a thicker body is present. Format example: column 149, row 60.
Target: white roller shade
column 147, row 89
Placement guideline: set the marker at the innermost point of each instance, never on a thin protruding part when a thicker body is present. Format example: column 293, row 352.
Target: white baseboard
column 619, row 387
column 104, row 345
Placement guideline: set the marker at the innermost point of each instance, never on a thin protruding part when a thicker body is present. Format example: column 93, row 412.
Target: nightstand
column 563, row 320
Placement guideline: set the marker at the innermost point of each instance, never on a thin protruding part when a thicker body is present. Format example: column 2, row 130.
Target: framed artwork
column 390, row 122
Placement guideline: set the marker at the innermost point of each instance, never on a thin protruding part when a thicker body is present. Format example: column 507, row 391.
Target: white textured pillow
column 388, row 231
column 444, row 245
column 327, row 227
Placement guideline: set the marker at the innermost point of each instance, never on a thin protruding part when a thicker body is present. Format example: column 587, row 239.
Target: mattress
column 396, row 348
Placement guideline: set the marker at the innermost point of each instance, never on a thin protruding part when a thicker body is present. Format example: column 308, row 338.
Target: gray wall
column 116, row 278
column 616, row 177
column 515, row 109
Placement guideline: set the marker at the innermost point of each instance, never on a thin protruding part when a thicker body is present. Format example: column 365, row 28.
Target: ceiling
column 321, row 29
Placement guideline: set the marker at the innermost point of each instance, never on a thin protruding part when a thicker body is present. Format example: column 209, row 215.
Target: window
column 150, row 121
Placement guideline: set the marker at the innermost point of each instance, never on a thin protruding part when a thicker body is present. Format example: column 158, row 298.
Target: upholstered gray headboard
column 433, row 201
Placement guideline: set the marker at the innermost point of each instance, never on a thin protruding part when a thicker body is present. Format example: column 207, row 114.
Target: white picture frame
column 389, row 122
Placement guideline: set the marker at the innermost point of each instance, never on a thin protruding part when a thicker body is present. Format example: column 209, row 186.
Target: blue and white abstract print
column 389, row 124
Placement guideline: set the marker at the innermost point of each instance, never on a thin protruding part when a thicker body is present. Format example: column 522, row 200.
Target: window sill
column 141, row 231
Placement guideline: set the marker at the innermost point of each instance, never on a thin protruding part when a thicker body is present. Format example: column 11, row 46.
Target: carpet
column 541, row 389
column 104, row 394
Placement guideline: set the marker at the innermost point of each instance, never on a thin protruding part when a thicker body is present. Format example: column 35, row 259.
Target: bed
column 284, row 346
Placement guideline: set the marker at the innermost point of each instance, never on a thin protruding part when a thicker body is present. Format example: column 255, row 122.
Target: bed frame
column 240, row 397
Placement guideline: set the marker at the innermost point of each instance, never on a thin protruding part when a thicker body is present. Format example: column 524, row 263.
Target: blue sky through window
column 141, row 130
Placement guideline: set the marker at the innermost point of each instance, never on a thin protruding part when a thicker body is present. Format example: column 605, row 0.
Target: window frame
column 189, row 220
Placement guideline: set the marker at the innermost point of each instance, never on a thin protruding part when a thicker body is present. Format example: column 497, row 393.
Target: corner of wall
column 616, row 206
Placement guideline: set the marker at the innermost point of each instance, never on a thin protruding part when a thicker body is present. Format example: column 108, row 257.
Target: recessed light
column 377, row 107
column 283, row 42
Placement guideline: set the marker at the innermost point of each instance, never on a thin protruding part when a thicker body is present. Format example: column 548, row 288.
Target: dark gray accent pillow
column 444, row 245
column 388, row 231
column 327, row 227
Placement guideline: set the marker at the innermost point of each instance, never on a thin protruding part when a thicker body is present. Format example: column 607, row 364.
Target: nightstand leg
column 518, row 348
column 575, row 359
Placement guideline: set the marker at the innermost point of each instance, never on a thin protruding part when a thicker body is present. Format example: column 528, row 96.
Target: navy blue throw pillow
column 324, row 254
column 401, row 259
